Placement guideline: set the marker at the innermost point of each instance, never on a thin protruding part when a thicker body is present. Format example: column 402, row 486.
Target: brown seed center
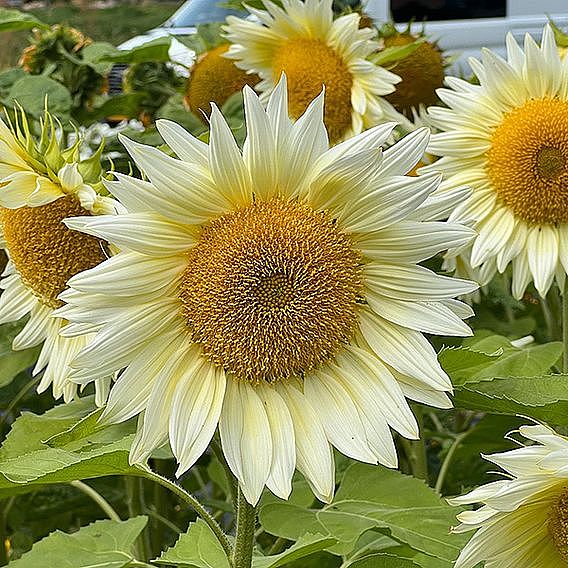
column 558, row 524
column 528, row 159
column 45, row 252
column 270, row 291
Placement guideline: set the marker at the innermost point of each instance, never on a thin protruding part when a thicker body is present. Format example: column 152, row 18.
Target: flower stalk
column 244, row 541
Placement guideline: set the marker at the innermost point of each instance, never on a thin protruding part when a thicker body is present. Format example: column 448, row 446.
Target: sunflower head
column 315, row 50
column 524, row 517
column 45, row 155
column 214, row 78
column 422, row 71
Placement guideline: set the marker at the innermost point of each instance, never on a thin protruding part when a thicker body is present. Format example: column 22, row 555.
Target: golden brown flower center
column 45, row 252
column 422, row 72
column 309, row 64
column 215, row 78
column 270, row 291
column 558, row 524
column 528, row 159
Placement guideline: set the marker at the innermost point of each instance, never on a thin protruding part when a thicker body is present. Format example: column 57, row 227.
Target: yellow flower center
column 44, row 251
column 271, row 290
column 309, row 64
column 215, row 78
column 527, row 162
column 422, row 72
column 558, row 524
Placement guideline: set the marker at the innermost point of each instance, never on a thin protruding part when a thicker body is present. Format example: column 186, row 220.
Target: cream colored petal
column 259, row 150
column 183, row 143
column 130, row 393
column 145, row 233
column 246, row 438
column 411, row 241
column 232, row 178
column 16, row 301
column 406, row 350
column 412, row 282
column 195, row 412
column 313, row 453
column 387, row 202
column 283, row 441
column 364, row 367
column 338, row 415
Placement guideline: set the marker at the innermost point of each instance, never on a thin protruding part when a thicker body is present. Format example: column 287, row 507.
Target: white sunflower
column 303, row 40
column 523, row 521
column 274, row 292
column 507, row 138
column 40, row 185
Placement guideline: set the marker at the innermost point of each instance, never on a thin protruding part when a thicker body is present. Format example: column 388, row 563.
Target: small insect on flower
column 40, row 185
column 274, row 292
column 523, row 521
column 303, row 40
column 507, row 138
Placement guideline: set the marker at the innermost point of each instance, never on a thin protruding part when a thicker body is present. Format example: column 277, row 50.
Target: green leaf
column 32, row 91
column 8, row 78
column 154, row 50
column 484, row 357
column 306, row 545
column 374, row 497
column 392, row 55
column 383, row 561
column 13, row 362
column 14, row 21
column 105, row 544
column 461, row 363
column 542, row 397
column 94, row 56
column 81, row 448
column 198, row 548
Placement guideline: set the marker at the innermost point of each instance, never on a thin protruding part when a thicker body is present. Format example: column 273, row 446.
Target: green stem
column 244, row 538
column 565, row 326
column 447, row 460
column 549, row 319
column 131, row 489
column 97, row 498
column 416, row 450
column 231, row 480
column 193, row 503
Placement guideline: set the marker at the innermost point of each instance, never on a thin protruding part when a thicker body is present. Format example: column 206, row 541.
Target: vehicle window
column 418, row 10
column 200, row 12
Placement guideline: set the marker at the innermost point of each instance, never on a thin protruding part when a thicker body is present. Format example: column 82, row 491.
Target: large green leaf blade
column 197, row 548
column 105, row 544
column 374, row 497
column 305, row 546
column 15, row 21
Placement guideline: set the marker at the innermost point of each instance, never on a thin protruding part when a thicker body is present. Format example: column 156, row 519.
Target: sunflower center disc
column 528, row 161
column 558, row 524
column 270, row 291
column 422, row 72
column 309, row 64
column 215, row 78
column 45, row 252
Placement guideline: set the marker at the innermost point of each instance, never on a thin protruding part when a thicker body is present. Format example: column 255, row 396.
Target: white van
column 463, row 27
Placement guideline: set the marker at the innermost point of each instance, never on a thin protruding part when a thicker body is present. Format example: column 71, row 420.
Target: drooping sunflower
column 507, row 138
column 40, row 185
column 523, row 521
column 422, row 71
column 303, row 40
column 273, row 292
